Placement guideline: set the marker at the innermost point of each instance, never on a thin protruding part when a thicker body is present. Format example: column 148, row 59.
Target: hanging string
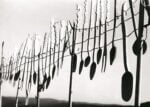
column 109, row 43
column 78, row 43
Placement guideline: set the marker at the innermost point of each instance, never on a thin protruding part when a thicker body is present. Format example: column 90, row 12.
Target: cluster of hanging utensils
column 88, row 60
column 23, row 55
column 22, row 70
column 102, row 54
column 23, row 67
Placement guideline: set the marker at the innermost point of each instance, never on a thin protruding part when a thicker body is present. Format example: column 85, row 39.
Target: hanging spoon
column 88, row 58
column 17, row 74
column 45, row 78
column 27, row 76
column 64, row 48
column 59, row 48
column 34, row 73
column 99, row 52
column 17, row 64
column 43, row 69
column 2, row 61
column 6, row 71
column 82, row 61
column 127, row 78
column 54, row 66
column 11, row 69
column 31, row 67
column 22, row 79
column 104, row 59
column 93, row 65
column 40, row 83
column 113, row 49
column 73, row 54
column 49, row 75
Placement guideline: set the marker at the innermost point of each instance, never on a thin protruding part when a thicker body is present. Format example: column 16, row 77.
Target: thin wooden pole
column 38, row 82
column 1, row 71
column 138, row 68
column 137, row 87
column 71, row 73
column 70, row 89
column 18, row 92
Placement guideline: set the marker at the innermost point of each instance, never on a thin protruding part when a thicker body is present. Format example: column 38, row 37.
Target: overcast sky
column 20, row 17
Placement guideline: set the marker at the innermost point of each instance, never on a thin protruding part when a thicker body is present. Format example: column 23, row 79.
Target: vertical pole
column 71, row 73
column 18, row 92
column 70, row 89
column 2, row 68
column 138, row 68
column 137, row 87
column 38, row 80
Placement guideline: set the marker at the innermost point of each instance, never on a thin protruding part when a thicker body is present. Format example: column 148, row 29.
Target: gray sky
column 20, row 17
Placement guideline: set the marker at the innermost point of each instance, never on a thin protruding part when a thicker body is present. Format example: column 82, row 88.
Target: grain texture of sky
column 18, row 18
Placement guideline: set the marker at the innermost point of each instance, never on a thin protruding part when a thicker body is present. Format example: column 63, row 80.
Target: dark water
column 10, row 102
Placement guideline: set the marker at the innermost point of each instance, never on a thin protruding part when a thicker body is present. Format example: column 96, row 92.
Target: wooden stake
column 71, row 72
column 1, row 71
column 70, row 89
column 38, row 81
column 138, row 68
column 17, row 92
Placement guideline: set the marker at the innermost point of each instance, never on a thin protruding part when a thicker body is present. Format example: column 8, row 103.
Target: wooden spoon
column 39, row 84
column 17, row 74
column 30, row 74
column 82, row 61
column 113, row 49
column 59, row 49
column 17, row 62
column 6, row 71
column 27, row 77
column 104, row 59
column 93, row 65
column 45, row 78
column 99, row 52
column 88, row 58
column 11, row 69
column 43, row 70
column 54, row 66
column 72, row 52
column 64, row 48
column 127, row 78
column 24, row 69
column 34, row 73
column 49, row 75
column 2, row 61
